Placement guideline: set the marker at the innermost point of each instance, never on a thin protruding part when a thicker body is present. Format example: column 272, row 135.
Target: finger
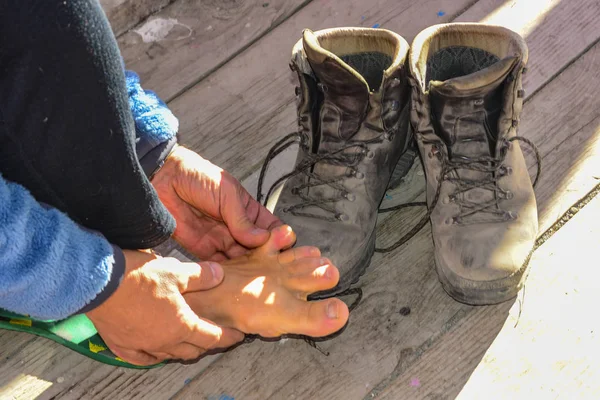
column 239, row 211
column 298, row 253
column 312, row 275
column 136, row 357
column 317, row 318
column 183, row 351
column 202, row 235
column 199, row 276
column 282, row 238
column 265, row 219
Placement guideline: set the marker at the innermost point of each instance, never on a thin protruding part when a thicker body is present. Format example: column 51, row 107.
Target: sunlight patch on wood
column 521, row 16
column 24, row 387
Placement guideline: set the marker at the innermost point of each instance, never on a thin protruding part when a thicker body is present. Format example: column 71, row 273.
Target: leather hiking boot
column 466, row 102
column 352, row 131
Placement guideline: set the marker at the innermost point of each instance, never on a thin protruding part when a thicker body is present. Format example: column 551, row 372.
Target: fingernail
column 217, row 271
column 332, row 310
column 257, row 231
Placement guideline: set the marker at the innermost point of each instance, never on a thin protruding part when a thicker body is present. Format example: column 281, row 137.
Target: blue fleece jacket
column 50, row 267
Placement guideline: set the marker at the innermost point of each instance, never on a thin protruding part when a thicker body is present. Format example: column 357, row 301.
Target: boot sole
column 357, row 270
column 477, row 293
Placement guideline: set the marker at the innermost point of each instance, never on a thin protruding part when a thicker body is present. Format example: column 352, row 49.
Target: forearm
column 50, row 267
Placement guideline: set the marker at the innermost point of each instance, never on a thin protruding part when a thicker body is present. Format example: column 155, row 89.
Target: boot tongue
column 466, row 111
column 345, row 89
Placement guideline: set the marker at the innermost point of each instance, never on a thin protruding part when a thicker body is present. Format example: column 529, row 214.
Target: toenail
column 324, row 261
column 332, row 310
column 329, row 273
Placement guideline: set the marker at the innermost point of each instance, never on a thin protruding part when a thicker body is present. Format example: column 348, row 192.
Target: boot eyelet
column 450, row 221
column 322, row 88
column 342, row 217
column 509, row 195
column 511, row 215
column 435, row 152
column 370, row 155
column 478, row 102
column 350, row 196
column 505, row 170
column 388, row 136
column 350, row 172
column 359, row 175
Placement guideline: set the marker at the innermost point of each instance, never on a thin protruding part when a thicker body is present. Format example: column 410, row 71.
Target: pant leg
column 66, row 130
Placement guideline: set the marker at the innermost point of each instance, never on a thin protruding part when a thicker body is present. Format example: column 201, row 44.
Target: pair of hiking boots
column 365, row 100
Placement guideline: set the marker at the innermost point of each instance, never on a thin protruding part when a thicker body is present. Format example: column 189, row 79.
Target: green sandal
column 77, row 333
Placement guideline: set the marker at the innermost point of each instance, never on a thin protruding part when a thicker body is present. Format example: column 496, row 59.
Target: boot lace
column 492, row 165
column 338, row 157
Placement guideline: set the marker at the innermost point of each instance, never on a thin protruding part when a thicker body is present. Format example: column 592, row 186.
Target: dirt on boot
column 352, row 105
column 467, row 100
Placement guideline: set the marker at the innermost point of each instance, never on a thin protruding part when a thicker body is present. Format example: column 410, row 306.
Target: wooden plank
column 431, row 309
column 251, row 114
column 124, row 14
column 39, row 368
column 380, row 344
column 249, row 102
column 187, row 40
column 544, row 346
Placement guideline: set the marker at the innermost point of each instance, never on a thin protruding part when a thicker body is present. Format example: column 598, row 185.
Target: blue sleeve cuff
column 114, row 280
column 155, row 125
column 50, row 267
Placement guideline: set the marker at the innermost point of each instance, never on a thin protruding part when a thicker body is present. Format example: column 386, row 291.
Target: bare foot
column 265, row 292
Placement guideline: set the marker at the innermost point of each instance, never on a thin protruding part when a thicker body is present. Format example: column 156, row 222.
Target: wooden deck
column 222, row 66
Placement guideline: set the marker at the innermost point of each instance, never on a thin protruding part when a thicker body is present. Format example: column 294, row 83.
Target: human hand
column 216, row 217
column 265, row 292
column 146, row 320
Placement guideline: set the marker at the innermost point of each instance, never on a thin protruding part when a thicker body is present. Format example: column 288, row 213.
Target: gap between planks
column 164, row 386
column 378, row 338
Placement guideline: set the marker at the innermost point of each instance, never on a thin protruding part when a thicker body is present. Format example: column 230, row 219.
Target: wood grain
column 245, row 106
column 546, row 348
column 249, row 102
column 125, row 14
column 380, row 345
column 189, row 39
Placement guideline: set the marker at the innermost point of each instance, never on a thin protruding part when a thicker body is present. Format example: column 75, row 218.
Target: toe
column 311, row 275
column 318, row 318
column 298, row 253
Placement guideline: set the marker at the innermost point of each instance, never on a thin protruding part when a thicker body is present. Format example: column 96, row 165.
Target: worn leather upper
column 469, row 117
column 365, row 127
